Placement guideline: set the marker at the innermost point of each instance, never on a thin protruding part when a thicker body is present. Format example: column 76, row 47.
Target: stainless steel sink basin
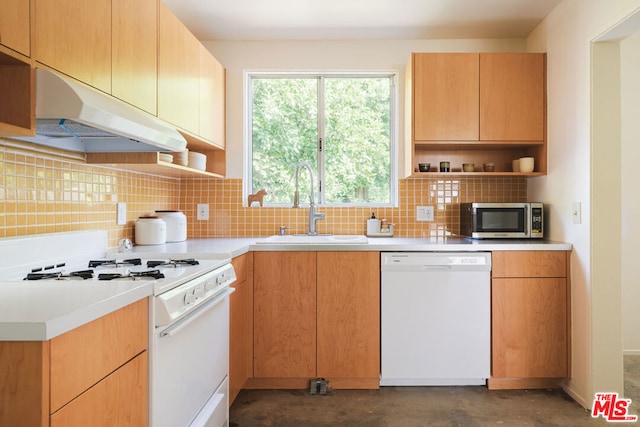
column 305, row 239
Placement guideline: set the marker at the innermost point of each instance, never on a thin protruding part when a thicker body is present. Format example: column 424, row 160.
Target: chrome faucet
column 313, row 216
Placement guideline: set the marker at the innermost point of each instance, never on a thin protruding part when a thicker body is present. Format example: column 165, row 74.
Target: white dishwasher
column 436, row 318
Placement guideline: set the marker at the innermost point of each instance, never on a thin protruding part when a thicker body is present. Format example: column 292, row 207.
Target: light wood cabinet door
column 284, row 319
column 85, row 355
column 93, row 375
column 349, row 315
column 178, row 73
column 529, row 328
column 118, row 400
column 529, row 264
column 512, row 97
column 240, row 328
column 15, row 26
column 446, row 96
column 212, row 99
column 74, row 37
column 135, row 53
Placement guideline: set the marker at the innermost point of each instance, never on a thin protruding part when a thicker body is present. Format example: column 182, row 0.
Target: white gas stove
column 188, row 315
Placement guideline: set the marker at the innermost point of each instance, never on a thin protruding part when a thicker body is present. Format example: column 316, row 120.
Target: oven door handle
column 185, row 321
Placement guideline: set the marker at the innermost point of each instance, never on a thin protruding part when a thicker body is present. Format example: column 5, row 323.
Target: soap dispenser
column 373, row 225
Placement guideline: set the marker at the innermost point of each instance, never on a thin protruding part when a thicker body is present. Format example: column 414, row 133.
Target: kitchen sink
column 321, row 239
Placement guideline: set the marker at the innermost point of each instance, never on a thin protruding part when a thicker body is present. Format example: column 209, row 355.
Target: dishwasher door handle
column 436, row 267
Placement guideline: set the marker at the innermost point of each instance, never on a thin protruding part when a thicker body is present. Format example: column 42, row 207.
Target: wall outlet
column 203, row 212
column 121, row 216
column 424, row 213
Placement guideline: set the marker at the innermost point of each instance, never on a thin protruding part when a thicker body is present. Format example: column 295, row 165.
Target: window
column 342, row 125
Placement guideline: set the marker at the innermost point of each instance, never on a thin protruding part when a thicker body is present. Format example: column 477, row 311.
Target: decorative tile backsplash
column 229, row 218
column 45, row 194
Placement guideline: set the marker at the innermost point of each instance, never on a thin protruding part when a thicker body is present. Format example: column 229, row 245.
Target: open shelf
column 150, row 163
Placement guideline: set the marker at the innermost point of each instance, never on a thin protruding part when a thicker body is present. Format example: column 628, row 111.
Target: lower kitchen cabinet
column 348, row 331
column 284, row 315
column 530, row 318
column 96, row 374
column 241, row 326
column 118, row 400
column 316, row 314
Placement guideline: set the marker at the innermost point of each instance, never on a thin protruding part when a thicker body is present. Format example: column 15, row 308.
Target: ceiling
column 359, row 19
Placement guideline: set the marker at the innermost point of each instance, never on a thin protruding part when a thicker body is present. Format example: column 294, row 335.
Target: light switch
column 121, row 217
column 576, row 212
column 203, row 212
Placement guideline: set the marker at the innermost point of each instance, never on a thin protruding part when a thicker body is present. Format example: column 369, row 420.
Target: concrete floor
column 409, row 406
column 422, row 406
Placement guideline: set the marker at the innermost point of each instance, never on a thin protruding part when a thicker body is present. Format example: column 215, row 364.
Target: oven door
column 189, row 367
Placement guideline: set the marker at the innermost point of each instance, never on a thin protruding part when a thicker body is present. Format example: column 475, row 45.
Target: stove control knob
column 221, row 279
column 199, row 291
column 189, row 298
column 210, row 284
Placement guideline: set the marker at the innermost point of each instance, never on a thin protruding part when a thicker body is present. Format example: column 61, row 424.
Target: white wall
column 566, row 35
column 630, row 72
column 238, row 57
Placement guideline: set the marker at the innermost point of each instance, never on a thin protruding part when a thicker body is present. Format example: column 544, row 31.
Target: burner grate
column 82, row 274
column 155, row 274
column 114, row 263
column 173, row 263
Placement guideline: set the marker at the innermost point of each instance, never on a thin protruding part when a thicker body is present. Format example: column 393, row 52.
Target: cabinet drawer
column 118, row 400
column 529, row 264
column 82, row 357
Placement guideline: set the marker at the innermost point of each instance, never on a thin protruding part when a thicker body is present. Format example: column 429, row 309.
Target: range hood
column 75, row 117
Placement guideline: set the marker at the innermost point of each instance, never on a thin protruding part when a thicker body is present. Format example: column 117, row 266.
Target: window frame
column 249, row 75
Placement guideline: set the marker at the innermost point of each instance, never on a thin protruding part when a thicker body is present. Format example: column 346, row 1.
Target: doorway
column 615, row 204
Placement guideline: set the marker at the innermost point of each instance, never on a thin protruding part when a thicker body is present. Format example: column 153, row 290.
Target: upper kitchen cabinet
column 74, row 38
column 476, row 108
column 445, row 97
column 212, row 99
column 17, row 103
column 191, row 91
column 178, row 73
column 135, row 52
column 512, row 97
column 14, row 26
column 191, row 84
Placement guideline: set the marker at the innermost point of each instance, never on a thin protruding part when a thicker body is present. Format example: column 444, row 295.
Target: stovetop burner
column 114, row 263
column 82, row 274
column 154, row 274
column 173, row 263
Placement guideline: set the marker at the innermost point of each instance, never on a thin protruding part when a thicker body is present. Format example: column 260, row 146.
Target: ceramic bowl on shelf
column 197, row 160
column 515, row 165
column 489, row 167
column 181, row 157
column 526, row 164
column 168, row 158
column 424, row 167
column 468, row 167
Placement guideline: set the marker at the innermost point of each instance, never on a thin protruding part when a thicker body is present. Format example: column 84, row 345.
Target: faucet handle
column 283, row 230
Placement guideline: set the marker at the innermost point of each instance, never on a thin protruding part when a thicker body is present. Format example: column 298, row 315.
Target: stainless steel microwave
column 502, row 220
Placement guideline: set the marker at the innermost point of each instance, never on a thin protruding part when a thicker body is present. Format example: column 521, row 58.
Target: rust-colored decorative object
column 257, row 197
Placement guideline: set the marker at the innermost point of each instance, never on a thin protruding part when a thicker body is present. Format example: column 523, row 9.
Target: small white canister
column 176, row 225
column 150, row 230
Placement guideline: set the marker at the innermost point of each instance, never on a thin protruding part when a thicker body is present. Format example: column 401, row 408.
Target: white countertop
column 238, row 246
column 41, row 310
column 38, row 311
